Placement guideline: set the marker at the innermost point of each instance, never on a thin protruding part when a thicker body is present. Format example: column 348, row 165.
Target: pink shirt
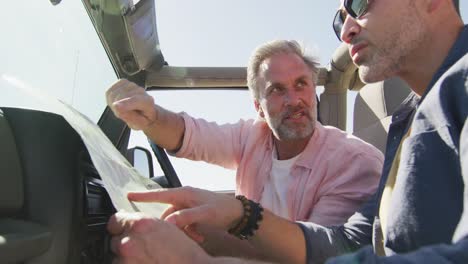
column 334, row 174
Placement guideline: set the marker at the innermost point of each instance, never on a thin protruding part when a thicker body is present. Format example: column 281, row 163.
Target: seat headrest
column 373, row 108
column 378, row 100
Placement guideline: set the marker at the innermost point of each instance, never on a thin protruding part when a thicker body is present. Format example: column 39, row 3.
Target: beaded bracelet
column 253, row 214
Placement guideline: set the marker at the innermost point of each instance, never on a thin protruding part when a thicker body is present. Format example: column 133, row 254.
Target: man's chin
column 369, row 76
column 294, row 134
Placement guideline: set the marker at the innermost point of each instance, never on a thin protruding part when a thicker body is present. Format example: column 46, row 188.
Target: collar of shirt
column 458, row 50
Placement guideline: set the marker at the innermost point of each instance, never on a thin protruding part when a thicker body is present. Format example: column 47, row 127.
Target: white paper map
column 117, row 174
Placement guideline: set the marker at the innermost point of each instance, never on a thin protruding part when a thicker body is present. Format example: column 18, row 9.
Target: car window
column 57, row 50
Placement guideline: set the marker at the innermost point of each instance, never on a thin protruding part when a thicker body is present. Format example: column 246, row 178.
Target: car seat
column 373, row 109
column 52, row 209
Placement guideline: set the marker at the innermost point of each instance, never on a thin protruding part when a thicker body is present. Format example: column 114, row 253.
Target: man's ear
column 258, row 107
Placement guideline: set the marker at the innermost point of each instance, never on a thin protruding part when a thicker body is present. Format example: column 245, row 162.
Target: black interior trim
column 166, row 166
column 23, row 240
column 57, row 191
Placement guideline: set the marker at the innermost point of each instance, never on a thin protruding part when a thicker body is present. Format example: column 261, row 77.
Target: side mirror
column 141, row 159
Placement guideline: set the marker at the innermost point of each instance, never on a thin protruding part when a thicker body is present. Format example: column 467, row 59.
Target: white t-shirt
column 274, row 197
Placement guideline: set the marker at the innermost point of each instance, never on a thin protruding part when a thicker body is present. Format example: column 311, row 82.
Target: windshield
column 57, row 50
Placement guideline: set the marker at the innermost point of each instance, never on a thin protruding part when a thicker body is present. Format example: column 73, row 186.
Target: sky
column 224, row 33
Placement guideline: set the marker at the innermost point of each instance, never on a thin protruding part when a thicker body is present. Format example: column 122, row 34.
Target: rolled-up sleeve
column 323, row 243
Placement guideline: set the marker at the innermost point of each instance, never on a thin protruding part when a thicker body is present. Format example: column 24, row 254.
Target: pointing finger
column 179, row 197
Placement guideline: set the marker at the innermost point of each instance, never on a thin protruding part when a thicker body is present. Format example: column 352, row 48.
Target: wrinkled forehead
column 283, row 66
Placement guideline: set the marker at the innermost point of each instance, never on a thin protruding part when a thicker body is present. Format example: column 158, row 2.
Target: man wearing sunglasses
column 420, row 211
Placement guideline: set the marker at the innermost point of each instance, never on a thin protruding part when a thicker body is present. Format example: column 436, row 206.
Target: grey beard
column 286, row 133
column 283, row 132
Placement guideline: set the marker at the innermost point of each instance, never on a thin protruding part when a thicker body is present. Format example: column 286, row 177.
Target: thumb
column 191, row 231
column 197, row 215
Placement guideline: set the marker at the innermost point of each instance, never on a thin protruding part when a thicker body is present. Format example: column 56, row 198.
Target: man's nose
column 293, row 98
column 350, row 29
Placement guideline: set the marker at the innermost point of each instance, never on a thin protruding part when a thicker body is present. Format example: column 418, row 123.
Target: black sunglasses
column 354, row 8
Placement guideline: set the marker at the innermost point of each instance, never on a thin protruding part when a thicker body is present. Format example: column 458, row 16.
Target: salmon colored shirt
column 332, row 177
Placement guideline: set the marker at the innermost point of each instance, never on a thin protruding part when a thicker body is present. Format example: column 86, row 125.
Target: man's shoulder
column 242, row 123
column 449, row 94
column 459, row 69
column 348, row 144
column 456, row 77
column 334, row 134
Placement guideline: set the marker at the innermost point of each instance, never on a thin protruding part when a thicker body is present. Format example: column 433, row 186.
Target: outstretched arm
column 279, row 239
column 137, row 238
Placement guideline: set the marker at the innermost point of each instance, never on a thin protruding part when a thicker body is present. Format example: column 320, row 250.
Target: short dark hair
column 457, row 5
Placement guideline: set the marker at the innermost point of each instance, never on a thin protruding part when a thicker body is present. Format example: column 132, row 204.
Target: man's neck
column 287, row 149
column 428, row 59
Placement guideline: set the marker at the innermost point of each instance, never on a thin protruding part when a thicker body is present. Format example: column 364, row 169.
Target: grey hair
column 271, row 48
